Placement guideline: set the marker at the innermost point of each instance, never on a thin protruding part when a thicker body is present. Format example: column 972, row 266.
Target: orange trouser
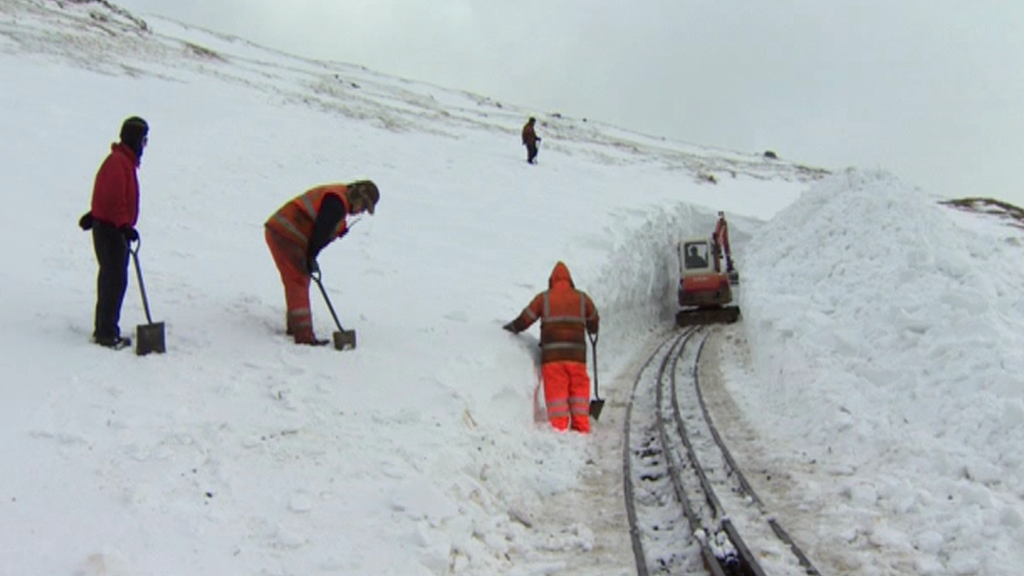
column 291, row 262
column 567, row 394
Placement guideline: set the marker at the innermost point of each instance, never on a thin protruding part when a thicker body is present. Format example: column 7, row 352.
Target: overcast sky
column 932, row 90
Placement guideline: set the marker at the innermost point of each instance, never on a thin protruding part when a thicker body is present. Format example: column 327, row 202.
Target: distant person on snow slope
column 530, row 140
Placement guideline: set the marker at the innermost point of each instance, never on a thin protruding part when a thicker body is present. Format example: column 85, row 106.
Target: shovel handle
column 134, row 250
column 316, row 278
column 593, row 348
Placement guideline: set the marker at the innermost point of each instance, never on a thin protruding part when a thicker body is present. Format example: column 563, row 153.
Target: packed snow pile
column 888, row 332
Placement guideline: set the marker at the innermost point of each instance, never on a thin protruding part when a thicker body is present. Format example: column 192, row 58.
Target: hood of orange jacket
column 560, row 276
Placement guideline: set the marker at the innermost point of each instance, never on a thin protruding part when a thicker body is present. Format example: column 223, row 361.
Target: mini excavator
column 706, row 292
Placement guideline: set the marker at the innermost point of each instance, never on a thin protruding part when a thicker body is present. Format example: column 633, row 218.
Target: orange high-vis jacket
column 294, row 221
column 565, row 313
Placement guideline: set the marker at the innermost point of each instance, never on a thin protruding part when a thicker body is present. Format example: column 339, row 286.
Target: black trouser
column 112, row 281
column 531, row 152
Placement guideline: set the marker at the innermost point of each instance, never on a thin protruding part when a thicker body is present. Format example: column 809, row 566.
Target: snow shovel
column 148, row 337
column 597, row 404
column 342, row 338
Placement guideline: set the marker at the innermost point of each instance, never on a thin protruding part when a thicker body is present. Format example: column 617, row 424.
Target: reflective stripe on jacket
column 294, row 221
column 566, row 315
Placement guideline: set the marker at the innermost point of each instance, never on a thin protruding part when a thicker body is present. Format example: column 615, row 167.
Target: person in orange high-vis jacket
column 299, row 230
column 564, row 313
column 720, row 239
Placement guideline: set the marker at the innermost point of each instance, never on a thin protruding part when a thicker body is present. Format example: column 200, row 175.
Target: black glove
column 314, row 268
column 130, row 234
column 511, row 328
column 85, row 222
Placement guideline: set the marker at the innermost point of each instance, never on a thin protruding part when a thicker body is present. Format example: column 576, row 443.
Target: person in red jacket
column 112, row 219
column 299, row 230
column 530, row 140
column 564, row 313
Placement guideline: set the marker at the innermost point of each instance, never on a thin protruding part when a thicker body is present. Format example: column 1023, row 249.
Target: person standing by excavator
column 530, row 140
column 299, row 230
column 720, row 240
column 565, row 313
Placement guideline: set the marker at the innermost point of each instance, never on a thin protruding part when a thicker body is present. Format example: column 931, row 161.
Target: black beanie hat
column 133, row 130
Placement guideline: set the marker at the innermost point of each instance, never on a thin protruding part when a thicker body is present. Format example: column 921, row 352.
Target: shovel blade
column 150, row 338
column 344, row 339
column 595, row 408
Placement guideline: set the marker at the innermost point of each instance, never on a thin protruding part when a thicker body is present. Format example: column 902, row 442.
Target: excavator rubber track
column 707, row 316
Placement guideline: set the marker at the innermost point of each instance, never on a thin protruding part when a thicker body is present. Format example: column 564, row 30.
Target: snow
column 878, row 362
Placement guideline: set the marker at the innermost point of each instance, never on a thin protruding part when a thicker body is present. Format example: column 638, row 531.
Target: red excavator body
column 705, row 292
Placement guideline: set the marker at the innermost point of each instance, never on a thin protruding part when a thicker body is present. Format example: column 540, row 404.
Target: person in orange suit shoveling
column 565, row 315
column 299, row 230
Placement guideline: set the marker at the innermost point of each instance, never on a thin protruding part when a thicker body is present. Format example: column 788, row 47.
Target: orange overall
column 288, row 232
column 565, row 314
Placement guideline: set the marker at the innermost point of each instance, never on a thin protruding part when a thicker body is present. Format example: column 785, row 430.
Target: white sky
column 932, row 90
column 876, row 370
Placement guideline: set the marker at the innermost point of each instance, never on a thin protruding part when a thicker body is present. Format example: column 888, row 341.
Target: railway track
column 690, row 509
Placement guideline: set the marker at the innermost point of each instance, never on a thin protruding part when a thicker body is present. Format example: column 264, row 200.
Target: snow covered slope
column 240, row 453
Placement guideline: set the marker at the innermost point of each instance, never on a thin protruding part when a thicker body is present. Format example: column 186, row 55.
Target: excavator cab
column 696, row 255
column 705, row 292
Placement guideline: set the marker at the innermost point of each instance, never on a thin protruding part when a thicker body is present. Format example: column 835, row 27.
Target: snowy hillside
column 238, row 452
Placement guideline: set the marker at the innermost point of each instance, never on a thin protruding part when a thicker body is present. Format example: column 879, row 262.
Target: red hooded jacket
column 564, row 313
column 115, row 195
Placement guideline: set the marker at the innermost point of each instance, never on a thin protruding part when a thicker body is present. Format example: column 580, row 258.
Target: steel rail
column 744, row 486
column 664, row 448
column 627, row 461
